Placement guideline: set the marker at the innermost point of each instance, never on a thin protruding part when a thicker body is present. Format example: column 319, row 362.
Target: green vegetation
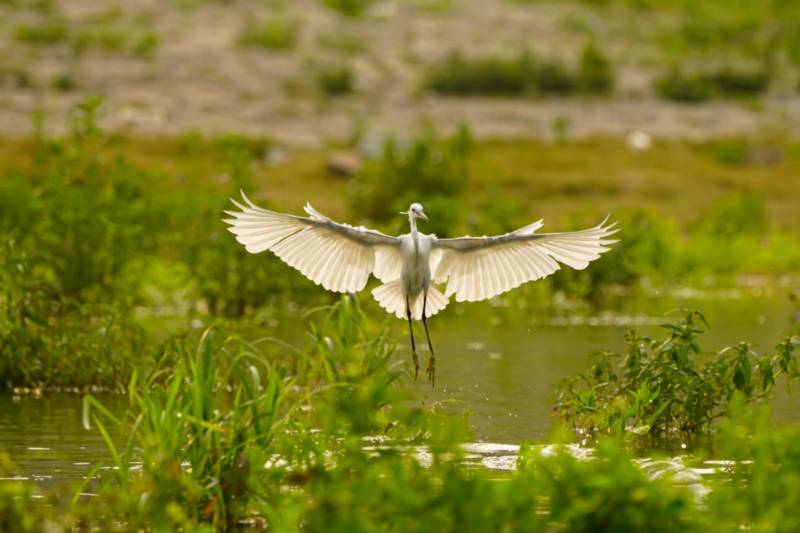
column 325, row 436
column 276, row 33
column 350, row 8
column 701, row 87
column 335, row 80
column 105, row 32
column 112, row 245
column 524, row 74
column 662, row 390
column 426, row 168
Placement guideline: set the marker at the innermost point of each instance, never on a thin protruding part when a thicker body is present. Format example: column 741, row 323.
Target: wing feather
column 477, row 268
column 339, row 257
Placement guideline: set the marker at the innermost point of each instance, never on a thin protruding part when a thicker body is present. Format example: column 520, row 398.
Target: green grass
column 276, row 33
column 519, row 75
column 335, row 80
column 325, row 436
column 105, row 32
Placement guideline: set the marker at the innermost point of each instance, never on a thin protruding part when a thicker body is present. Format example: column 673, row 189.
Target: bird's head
column 415, row 211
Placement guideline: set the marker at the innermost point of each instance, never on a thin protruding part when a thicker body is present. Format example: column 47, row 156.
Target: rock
column 343, row 163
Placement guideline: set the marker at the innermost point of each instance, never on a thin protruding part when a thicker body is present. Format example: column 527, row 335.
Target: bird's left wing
column 477, row 268
column 337, row 256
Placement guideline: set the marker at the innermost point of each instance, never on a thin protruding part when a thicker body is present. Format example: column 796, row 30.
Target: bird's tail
column 390, row 296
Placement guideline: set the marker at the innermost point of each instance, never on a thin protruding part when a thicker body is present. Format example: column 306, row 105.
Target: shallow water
column 505, row 370
column 501, row 363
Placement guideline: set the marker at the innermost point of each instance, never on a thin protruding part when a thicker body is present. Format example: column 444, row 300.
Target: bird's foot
column 416, row 364
column 432, row 370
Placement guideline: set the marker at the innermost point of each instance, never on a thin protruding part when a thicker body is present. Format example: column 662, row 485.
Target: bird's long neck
column 414, row 233
column 413, row 223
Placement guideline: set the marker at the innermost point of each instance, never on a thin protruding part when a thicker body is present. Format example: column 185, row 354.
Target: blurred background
column 126, row 125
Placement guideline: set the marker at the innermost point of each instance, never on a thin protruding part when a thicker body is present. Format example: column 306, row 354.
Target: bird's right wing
column 477, row 268
column 337, row 256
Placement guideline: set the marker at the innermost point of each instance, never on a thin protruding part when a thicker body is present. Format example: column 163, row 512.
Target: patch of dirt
column 199, row 78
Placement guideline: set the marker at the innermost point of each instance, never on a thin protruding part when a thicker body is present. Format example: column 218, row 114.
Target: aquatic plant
column 663, row 389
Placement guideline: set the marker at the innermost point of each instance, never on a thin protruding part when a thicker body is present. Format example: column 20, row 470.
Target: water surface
column 501, row 363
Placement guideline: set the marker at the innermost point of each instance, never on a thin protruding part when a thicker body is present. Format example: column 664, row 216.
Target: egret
column 341, row 257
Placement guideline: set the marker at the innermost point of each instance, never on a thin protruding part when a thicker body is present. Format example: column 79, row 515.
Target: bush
column 514, row 76
column 428, row 170
column 692, row 88
column 277, row 33
column 684, row 88
column 553, row 77
column 733, row 82
column 596, row 74
column 662, row 389
column 491, row 75
column 606, row 493
column 335, row 80
column 764, row 488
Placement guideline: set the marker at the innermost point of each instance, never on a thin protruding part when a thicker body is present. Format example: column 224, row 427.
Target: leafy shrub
column 521, row 74
column 48, row 340
column 733, row 82
column 276, row 33
column 596, row 73
column 684, row 88
column 484, row 75
column 553, row 77
column 662, row 389
column 699, row 87
column 764, row 487
column 607, row 493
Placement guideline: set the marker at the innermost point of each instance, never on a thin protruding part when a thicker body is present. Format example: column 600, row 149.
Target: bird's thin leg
column 432, row 360
column 413, row 346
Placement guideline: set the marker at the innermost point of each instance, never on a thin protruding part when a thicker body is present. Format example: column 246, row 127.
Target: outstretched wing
column 337, row 256
column 477, row 268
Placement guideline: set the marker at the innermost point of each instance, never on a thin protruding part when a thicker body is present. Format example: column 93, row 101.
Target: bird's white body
column 415, row 252
column 341, row 257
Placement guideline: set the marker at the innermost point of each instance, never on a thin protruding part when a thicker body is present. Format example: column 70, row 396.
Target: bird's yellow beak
column 423, row 216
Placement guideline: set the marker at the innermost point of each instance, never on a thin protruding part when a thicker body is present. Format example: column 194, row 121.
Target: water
column 499, row 363
column 504, row 370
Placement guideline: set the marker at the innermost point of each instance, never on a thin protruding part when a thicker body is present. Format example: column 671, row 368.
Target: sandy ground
column 200, row 78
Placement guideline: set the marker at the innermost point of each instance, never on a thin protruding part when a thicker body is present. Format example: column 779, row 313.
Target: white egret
column 341, row 258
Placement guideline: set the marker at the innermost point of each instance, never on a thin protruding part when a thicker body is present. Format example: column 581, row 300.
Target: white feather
column 477, row 268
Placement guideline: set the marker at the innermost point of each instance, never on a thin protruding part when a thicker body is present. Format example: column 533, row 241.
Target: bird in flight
column 341, row 257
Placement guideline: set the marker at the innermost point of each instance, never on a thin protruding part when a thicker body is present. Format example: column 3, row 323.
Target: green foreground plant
column 665, row 389
column 327, row 437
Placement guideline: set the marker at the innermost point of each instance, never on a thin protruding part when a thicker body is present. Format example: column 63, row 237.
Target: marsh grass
column 326, row 436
